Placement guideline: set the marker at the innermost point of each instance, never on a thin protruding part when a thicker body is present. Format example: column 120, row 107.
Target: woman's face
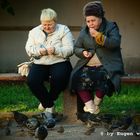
column 48, row 26
column 93, row 22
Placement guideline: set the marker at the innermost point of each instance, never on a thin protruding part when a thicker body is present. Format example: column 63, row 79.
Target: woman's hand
column 87, row 54
column 50, row 50
column 43, row 51
column 99, row 37
column 93, row 32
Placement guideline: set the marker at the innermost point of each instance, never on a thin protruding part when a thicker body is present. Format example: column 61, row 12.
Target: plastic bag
column 24, row 68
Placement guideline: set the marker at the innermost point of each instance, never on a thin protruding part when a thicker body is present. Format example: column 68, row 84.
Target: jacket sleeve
column 67, row 43
column 112, row 37
column 78, row 47
column 31, row 47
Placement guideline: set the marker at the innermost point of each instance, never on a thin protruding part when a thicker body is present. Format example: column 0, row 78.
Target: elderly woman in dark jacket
column 100, row 62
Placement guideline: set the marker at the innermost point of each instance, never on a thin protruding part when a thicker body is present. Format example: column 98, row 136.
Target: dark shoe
column 94, row 118
column 83, row 116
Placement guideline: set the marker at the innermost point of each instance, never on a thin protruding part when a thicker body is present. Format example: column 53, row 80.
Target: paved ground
column 72, row 131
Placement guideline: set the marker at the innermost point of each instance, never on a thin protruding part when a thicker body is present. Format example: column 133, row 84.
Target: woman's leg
column 85, row 95
column 37, row 75
column 59, row 74
column 102, row 88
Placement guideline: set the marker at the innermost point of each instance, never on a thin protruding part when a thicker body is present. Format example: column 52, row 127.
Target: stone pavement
column 75, row 131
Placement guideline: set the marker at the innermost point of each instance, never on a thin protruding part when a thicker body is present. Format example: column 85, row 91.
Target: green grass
column 127, row 100
column 18, row 97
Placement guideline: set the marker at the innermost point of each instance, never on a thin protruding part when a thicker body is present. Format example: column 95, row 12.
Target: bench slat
column 18, row 77
column 130, row 79
column 11, row 77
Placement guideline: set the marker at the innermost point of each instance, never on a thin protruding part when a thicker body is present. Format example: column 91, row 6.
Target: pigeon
column 83, row 116
column 115, row 125
column 121, row 124
column 90, row 131
column 126, row 122
column 32, row 123
column 107, row 118
column 60, row 129
column 41, row 132
column 49, row 122
column 94, row 118
column 20, row 118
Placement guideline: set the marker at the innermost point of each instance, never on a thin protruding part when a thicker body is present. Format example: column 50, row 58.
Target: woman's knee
column 31, row 81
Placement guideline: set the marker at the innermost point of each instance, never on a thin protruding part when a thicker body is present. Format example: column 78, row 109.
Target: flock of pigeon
column 38, row 125
column 112, row 123
column 41, row 130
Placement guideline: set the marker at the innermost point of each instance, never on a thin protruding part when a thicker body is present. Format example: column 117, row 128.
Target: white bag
column 23, row 68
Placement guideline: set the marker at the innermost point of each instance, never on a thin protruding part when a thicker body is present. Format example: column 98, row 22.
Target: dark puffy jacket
column 109, row 54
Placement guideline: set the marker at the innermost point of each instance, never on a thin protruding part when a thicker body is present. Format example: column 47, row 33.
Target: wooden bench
column 72, row 104
column 131, row 79
column 15, row 77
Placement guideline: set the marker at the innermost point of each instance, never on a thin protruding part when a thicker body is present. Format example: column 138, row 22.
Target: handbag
column 24, row 68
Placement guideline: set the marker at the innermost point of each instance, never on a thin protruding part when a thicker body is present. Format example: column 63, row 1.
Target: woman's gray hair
column 48, row 14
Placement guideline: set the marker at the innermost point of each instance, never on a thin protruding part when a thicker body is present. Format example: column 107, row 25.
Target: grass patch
column 18, row 97
column 127, row 100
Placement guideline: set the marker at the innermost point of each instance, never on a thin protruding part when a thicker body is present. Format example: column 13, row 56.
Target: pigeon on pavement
column 41, row 132
column 20, row 118
column 60, row 129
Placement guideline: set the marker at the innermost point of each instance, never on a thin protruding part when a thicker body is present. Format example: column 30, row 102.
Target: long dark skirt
column 92, row 78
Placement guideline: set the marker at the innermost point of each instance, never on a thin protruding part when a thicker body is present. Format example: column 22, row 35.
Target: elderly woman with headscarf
column 100, row 62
